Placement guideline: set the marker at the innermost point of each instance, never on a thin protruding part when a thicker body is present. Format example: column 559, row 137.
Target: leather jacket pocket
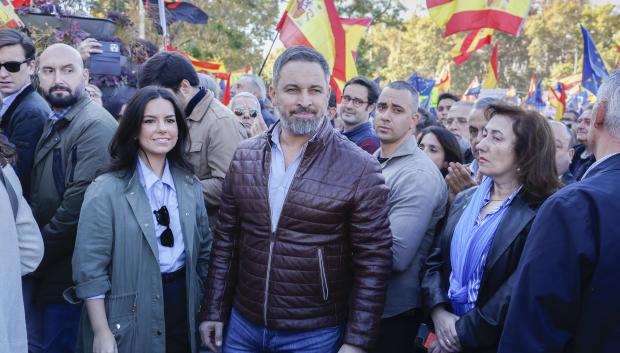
column 323, row 275
column 121, row 311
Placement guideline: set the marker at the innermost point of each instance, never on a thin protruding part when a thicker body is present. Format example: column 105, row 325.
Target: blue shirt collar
column 148, row 178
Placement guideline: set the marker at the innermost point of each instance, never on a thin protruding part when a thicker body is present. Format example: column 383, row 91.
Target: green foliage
column 546, row 47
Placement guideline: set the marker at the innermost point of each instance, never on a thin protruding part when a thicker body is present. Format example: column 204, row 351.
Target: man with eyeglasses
column 23, row 111
column 358, row 101
column 214, row 131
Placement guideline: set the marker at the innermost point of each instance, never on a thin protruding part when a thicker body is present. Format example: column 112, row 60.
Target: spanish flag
column 444, row 80
column 557, row 99
column 468, row 15
column 8, row 17
column 316, row 24
column 473, row 41
column 354, row 29
column 490, row 80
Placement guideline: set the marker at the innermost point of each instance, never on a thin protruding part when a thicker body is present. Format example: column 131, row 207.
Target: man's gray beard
column 299, row 126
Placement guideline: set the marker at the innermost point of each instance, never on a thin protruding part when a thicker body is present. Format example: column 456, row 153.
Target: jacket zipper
column 271, row 244
column 324, row 287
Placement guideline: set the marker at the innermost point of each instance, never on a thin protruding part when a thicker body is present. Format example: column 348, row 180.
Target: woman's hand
column 104, row 342
column 445, row 328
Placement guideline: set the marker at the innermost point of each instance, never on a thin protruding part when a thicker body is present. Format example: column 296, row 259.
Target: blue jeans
column 243, row 336
column 53, row 328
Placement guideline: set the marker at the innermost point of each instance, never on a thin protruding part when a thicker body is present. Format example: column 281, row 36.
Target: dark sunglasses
column 163, row 219
column 13, row 66
column 240, row 112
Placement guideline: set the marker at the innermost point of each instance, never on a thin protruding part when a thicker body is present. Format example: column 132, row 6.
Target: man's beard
column 66, row 100
column 300, row 126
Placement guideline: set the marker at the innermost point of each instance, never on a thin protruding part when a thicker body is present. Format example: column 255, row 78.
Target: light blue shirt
column 162, row 192
column 8, row 100
column 280, row 177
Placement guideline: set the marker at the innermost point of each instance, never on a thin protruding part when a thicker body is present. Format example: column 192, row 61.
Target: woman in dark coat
column 468, row 275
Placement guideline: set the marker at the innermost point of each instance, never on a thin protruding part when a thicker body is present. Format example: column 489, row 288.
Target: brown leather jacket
column 329, row 260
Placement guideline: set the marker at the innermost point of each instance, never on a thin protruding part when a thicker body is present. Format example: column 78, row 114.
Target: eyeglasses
column 13, row 66
column 356, row 101
column 239, row 112
column 163, row 219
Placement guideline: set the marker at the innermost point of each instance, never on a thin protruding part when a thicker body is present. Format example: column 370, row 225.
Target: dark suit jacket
column 479, row 330
column 23, row 124
column 566, row 297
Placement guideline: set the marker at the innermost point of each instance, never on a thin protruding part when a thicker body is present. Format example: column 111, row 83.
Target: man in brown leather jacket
column 301, row 251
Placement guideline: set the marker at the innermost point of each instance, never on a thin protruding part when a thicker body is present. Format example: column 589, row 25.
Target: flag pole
column 269, row 52
column 162, row 21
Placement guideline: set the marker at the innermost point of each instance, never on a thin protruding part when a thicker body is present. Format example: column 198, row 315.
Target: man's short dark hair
column 371, row 87
column 447, row 95
column 168, row 69
column 15, row 37
column 299, row 53
column 404, row 85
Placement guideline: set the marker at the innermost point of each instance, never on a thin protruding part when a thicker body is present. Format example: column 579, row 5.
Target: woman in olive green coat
column 143, row 238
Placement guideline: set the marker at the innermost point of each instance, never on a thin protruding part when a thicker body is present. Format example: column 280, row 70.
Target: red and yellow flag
column 199, row 65
column 467, row 15
column 444, row 80
column 316, row 24
column 557, row 99
column 354, row 29
column 473, row 41
column 492, row 77
column 8, row 17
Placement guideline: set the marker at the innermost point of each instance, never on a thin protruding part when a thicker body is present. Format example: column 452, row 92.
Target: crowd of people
column 289, row 222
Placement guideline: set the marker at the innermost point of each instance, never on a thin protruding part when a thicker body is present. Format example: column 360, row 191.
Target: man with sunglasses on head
column 214, row 131
column 23, row 111
column 358, row 101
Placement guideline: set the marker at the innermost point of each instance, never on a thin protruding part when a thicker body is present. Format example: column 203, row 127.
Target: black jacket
column 480, row 329
column 566, row 295
column 23, row 124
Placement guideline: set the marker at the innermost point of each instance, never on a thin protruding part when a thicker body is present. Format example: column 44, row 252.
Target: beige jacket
column 20, row 254
column 214, row 134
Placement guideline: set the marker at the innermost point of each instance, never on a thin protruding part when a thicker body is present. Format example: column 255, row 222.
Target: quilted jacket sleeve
column 371, row 243
column 222, row 274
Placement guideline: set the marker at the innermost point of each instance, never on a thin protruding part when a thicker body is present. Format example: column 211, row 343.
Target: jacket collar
column 518, row 215
column 194, row 101
column 357, row 130
column 201, row 108
column 18, row 99
column 77, row 108
column 408, row 147
column 609, row 162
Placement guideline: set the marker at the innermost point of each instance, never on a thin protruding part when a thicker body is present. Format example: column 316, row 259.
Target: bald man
column 564, row 150
column 71, row 150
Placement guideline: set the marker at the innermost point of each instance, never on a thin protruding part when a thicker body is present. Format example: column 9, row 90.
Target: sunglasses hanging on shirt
column 163, row 218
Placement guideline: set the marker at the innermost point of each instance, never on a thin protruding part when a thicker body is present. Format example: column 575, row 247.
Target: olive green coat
column 116, row 253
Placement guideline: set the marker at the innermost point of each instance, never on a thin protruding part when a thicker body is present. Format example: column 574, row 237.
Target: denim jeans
column 243, row 336
column 52, row 328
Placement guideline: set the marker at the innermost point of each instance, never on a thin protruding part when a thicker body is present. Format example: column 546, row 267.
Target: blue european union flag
column 424, row 87
column 594, row 70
